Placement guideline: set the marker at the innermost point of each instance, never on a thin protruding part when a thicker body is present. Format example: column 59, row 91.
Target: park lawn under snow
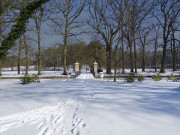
column 88, row 106
column 6, row 72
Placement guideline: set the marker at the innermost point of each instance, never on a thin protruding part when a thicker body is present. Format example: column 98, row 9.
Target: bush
column 157, row 77
column 29, row 79
column 141, row 78
column 171, row 77
column 130, row 79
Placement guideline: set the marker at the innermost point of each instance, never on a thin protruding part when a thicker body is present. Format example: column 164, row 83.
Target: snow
column 88, row 106
column 85, row 76
column 44, row 73
column 8, row 73
column 148, row 72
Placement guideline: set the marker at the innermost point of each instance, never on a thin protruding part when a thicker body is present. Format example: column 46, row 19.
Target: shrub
column 141, row 78
column 171, row 77
column 29, row 79
column 157, row 77
column 130, row 79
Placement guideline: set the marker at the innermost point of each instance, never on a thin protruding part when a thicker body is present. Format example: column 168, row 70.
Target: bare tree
column 131, row 15
column 19, row 55
column 116, row 58
column 66, row 21
column 6, row 17
column 167, row 13
column 122, row 52
column 38, row 19
column 101, row 21
column 26, row 54
column 143, row 33
column 174, row 29
column 156, row 36
column 18, row 29
column 40, row 15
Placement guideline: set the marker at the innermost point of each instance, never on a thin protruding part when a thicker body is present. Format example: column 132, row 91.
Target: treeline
column 131, row 33
column 85, row 55
column 53, row 56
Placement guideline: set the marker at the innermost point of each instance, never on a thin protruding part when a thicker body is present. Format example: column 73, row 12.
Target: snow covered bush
column 171, row 77
column 141, row 78
column 29, row 79
column 130, row 79
column 157, row 77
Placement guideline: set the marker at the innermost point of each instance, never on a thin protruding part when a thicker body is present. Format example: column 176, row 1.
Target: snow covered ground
column 44, row 73
column 148, row 72
column 88, row 106
column 8, row 73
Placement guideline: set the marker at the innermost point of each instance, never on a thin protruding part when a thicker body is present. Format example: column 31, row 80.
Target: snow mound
column 85, row 76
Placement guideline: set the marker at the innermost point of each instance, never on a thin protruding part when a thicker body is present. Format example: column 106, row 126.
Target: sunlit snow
column 89, row 106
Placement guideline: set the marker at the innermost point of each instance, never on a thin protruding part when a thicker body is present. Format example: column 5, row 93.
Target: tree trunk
column 115, row 62
column 12, row 69
column 178, row 54
column 163, row 57
column 12, row 64
column 0, row 68
column 122, row 54
column 135, row 55
column 19, row 56
column 26, row 55
column 143, row 58
column 0, row 41
column 108, row 57
column 39, row 52
column 65, row 56
column 174, row 52
column 123, row 71
column 131, row 57
column 155, row 55
column 65, row 48
column 115, row 71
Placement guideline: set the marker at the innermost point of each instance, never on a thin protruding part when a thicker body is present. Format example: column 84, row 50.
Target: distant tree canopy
column 85, row 54
column 20, row 27
column 96, row 52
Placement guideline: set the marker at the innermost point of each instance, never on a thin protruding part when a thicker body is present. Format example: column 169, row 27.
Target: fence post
column 95, row 68
column 76, row 69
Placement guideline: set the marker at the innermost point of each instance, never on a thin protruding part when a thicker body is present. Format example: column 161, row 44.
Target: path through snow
column 53, row 120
